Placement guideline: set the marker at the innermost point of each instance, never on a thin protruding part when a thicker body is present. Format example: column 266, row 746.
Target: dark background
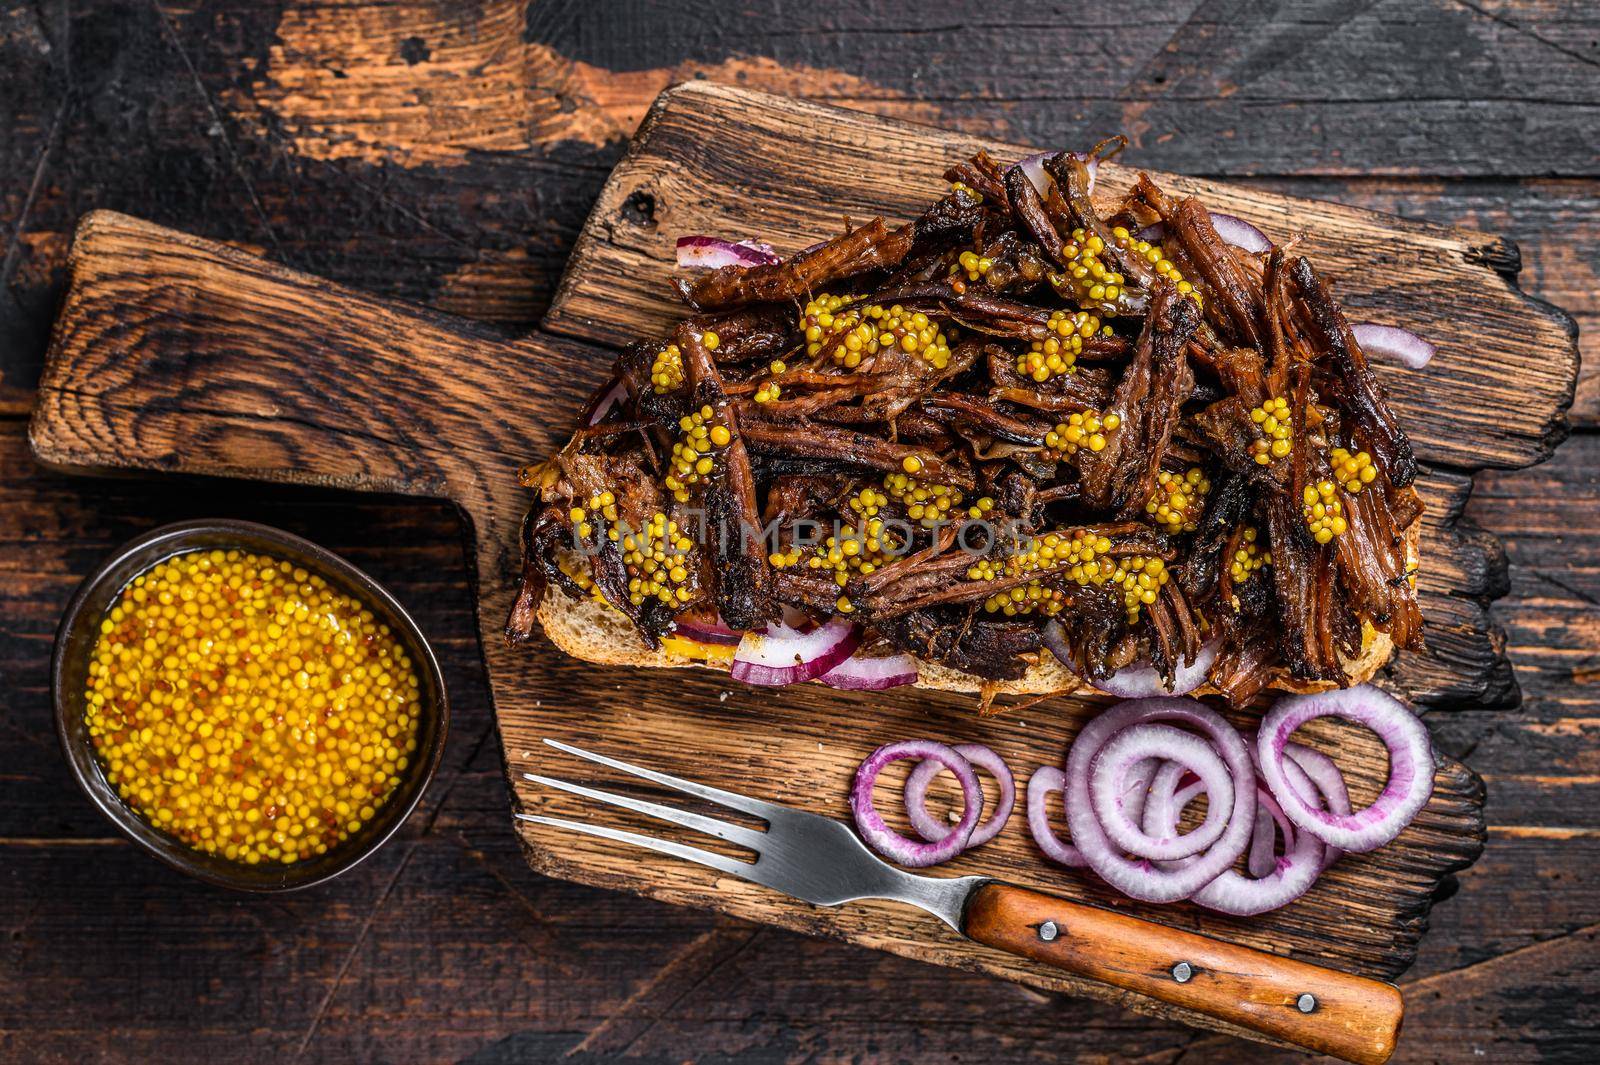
column 447, row 153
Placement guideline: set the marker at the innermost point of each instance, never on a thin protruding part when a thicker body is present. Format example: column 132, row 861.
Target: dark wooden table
column 447, row 152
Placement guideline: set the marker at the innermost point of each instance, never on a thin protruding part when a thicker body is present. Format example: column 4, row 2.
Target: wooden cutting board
column 177, row 354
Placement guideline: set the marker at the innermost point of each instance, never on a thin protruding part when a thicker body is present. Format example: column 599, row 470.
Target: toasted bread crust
column 591, row 630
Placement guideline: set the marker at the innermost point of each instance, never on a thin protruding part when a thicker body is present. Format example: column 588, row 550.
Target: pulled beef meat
column 1004, row 429
column 1236, row 301
column 743, row 584
column 873, row 246
column 1121, row 477
column 973, row 644
column 1350, row 381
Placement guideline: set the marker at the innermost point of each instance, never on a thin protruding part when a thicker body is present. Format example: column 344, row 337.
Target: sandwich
column 1028, row 442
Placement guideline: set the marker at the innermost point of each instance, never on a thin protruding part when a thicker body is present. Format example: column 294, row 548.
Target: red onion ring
column 710, row 253
column 1142, row 880
column 1283, row 880
column 1290, row 876
column 1391, row 342
column 782, row 655
column 1262, row 857
column 891, row 844
column 1137, row 787
column 713, row 632
column 1329, row 781
column 1232, row 229
column 933, row 830
column 1046, row 781
column 871, row 674
column 1141, row 681
column 1171, row 789
column 1033, row 168
column 1183, row 750
column 1411, row 765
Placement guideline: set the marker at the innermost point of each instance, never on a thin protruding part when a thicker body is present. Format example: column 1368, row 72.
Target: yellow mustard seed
column 248, row 708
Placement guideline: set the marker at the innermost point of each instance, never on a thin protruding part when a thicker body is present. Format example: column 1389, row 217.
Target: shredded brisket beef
column 1009, row 427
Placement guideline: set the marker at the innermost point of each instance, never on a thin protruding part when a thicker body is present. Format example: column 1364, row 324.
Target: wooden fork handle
column 1331, row 1012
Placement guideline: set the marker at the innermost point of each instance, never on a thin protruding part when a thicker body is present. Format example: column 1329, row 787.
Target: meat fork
column 822, row 861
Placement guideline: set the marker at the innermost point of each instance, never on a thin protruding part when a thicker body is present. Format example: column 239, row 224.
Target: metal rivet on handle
column 1048, row 931
column 1183, row 972
column 1306, row 1002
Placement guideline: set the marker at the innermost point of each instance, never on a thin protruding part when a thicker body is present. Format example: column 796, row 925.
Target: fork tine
column 744, row 837
column 663, row 846
column 765, row 810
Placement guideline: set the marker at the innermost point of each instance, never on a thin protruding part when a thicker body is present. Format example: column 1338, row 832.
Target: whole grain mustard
column 246, row 707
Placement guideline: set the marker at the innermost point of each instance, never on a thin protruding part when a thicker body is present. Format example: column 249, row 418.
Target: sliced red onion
column 1288, row 878
column 1392, row 342
column 1141, row 681
column 1172, row 788
column 1092, row 165
column 1137, row 788
column 601, row 403
column 782, row 655
column 1033, row 167
column 934, row 830
column 1046, row 781
column 1329, row 781
column 1139, row 744
column 871, row 674
column 891, row 844
column 1233, row 230
column 1411, row 765
column 1281, row 881
column 710, row 253
column 1140, row 879
column 1239, row 233
column 710, row 632
column 1262, row 857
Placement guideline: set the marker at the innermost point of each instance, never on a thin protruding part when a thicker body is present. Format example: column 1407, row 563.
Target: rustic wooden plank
column 393, row 198
column 714, row 159
column 458, row 963
column 1214, row 87
column 178, row 354
column 468, row 954
column 164, row 111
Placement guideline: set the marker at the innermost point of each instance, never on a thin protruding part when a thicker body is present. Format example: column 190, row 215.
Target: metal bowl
column 69, row 673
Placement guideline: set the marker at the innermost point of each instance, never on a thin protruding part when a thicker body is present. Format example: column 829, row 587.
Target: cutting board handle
column 176, row 353
column 1349, row 1017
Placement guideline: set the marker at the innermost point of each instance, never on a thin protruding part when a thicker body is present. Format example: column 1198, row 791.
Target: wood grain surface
column 239, row 122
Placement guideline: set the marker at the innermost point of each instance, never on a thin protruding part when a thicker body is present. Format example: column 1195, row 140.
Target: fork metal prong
column 765, row 810
column 731, row 866
column 744, row 837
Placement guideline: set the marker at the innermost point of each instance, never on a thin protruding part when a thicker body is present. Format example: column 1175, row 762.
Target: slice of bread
column 591, row 630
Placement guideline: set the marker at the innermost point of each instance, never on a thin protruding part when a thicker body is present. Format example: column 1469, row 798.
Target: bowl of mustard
column 246, row 706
